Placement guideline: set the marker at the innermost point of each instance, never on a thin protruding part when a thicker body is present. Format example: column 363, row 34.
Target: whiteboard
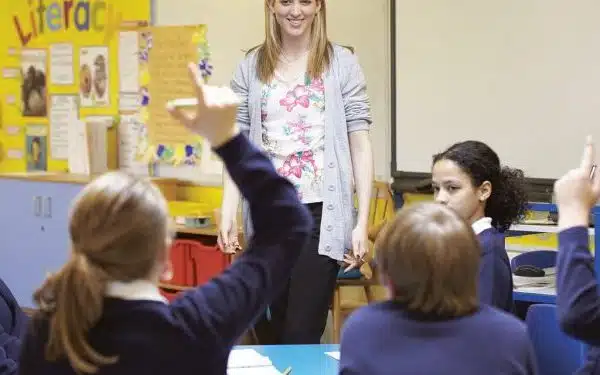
column 520, row 75
column 236, row 25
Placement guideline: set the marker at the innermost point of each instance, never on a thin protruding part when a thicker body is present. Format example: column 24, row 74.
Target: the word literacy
column 55, row 15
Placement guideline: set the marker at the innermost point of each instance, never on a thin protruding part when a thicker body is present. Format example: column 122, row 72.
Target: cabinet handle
column 48, row 207
column 37, row 206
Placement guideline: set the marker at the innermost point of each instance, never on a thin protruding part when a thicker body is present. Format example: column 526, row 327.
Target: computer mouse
column 529, row 271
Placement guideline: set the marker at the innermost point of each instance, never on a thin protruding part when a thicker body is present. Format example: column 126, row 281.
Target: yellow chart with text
column 59, row 62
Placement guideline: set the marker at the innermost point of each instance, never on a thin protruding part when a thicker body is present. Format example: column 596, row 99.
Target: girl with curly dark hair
column 469, row 178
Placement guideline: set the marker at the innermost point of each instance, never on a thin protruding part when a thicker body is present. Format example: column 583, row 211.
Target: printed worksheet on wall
column 131, row 133
column 63, row 109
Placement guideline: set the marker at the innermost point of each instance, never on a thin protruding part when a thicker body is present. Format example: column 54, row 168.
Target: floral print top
column 293, row 132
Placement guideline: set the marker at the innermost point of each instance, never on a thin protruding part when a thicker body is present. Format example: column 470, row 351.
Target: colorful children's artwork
column 93, row 77
column 34, row 83
column 163, row 77
column 36, row 145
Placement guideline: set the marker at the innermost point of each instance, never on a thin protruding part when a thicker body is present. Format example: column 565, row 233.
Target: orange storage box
column 179, row 260
column 207, row 261
column 197, row 261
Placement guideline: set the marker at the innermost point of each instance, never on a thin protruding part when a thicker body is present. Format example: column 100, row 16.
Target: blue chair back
column 353, row 274
column 555, row 352
column 537, row 258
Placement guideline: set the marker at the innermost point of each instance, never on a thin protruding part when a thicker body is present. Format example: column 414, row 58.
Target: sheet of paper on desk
column 247, row 358
column 261, row 370
column 334, row 355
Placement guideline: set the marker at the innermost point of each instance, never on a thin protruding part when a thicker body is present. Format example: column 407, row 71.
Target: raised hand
column 214, row 115
column 577, row 192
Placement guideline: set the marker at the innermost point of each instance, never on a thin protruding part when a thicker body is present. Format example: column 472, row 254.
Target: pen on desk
column 592, row 171
column 287, row 371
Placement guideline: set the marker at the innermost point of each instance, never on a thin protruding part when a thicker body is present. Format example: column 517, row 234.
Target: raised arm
column 227, row 305
column 577, row 300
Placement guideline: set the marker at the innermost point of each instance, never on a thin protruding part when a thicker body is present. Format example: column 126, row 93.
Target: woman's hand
column 228, row 236
column 360, row 246
column 214, row 117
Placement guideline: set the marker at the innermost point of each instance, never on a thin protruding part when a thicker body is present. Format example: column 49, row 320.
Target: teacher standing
column 304, row 100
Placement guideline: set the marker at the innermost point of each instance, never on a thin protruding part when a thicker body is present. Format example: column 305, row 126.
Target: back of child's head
column 508, row 199
column 429, row 259
column 118, row 229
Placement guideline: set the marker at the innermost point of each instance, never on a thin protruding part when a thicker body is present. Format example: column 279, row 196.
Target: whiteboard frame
column 538, row 189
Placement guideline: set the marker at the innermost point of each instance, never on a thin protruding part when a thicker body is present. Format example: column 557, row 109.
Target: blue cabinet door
column 54, row 247
column 34, row 233
column 20, row 219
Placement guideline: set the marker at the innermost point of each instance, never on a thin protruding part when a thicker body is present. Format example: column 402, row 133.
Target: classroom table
column 536, row 295
column 303, row 359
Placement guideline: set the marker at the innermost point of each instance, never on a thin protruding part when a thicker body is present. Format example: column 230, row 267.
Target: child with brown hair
column 433, row 323
column 102, row 312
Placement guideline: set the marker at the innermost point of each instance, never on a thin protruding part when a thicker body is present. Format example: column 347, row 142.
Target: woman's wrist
column 362, row 222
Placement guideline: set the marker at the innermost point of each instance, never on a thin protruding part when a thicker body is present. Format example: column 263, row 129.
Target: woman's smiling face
column 295, row 17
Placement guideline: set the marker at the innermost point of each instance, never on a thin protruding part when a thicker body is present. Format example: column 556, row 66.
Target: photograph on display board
column 93, row 77
column 36, row 146
column 33, row 84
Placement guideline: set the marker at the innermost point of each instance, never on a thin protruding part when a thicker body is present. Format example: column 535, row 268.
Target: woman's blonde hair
column 269, row 52
column 118, row 227
column 430, row 256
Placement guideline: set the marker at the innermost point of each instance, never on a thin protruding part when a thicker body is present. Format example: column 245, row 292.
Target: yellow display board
column 59, row 60
column 165, row 53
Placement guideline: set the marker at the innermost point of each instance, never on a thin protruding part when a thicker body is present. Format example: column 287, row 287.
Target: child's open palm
column 215, row 110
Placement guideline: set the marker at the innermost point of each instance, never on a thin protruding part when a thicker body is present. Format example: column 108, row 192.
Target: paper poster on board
column 94, row 84
column 34, row 83
column 61, row 64
column 63, row 109
column 36, row 137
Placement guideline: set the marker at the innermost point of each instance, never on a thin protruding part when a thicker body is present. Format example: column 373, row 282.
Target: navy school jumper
column 13, row 322
column 195, row 333
column 577, row 300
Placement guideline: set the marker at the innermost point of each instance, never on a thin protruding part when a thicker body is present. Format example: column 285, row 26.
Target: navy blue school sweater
column 495, row 275
column 195, row 333
column 384, row 338
column 13, row 323
column 577, row 300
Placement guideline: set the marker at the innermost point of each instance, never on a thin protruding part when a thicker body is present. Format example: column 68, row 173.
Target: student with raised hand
column 13, row 323
column 433, row 322
column 469, row 178
column 102, row 312
column 577, row 299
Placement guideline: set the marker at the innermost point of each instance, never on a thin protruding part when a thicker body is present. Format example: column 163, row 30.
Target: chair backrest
column 382, row 203
column 537, row 258
column 555, row 352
